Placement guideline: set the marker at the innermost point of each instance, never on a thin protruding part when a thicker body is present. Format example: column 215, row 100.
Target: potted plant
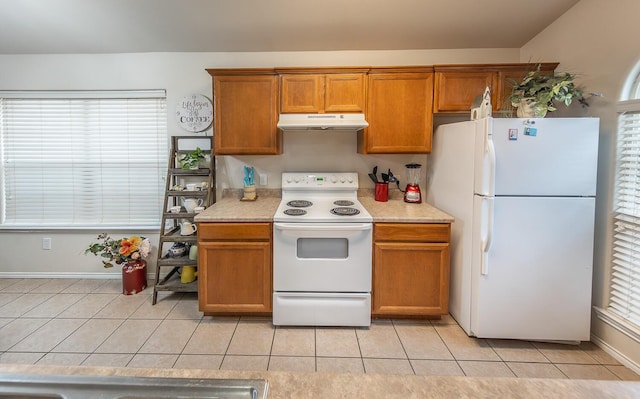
column 129, row 252
column 192, row 159
column 537, row 92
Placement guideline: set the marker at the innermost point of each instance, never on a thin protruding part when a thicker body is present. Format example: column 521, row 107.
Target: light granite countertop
column 398, row 211
column 324, row 385
column 231, row 209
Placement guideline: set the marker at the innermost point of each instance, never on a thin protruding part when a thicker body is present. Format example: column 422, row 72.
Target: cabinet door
column 313, row 93
column 344, row 92
column 455, row 91
column 410, row 279
column 246, row 115
column 302, row 93
column 399, row 112
column 234, row 277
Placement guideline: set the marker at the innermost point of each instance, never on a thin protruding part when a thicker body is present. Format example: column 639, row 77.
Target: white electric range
column 322, row 243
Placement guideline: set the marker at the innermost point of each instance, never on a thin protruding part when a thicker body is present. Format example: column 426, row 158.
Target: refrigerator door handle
column 491, row 152
column 487, row 204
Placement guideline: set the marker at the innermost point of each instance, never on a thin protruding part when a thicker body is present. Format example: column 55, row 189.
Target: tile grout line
column 226, row 351
column 190, row 336
column 450, row 352
column 364, row 368
column 273, row 338
column 146, row 340
column 393, row 324
column 92, row 317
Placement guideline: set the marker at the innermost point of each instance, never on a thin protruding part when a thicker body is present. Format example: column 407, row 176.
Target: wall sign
column 194, row 112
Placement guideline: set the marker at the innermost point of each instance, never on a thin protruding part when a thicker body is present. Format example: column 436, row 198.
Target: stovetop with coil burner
column 320, row 197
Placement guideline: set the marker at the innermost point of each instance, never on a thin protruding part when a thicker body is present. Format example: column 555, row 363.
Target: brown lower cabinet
column 410, row 269
column 234, row 268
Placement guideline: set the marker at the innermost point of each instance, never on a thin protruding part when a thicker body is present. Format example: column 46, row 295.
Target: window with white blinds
column 625, row 278
column 82, row 159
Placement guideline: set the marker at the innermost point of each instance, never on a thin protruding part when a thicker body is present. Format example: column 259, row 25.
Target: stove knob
column 350, row 179
column 333, row 179
column 289, row 180
column 296, row 179
column 341, row 179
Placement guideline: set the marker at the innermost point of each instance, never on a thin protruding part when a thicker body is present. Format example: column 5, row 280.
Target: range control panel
column 320, row 181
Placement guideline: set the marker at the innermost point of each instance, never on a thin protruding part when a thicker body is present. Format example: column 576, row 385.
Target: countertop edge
column 284, row 384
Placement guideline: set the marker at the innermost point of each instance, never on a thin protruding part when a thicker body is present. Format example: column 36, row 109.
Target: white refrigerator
column 522, row 192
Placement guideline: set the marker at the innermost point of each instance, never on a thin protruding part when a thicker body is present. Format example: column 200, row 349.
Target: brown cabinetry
column 455, row 91
column 319, row 93
column 245, row 112
column 411, row 269
column 234, row 273
column 456, row 86
column 399, row 111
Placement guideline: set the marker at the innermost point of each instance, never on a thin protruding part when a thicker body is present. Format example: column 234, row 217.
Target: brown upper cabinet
column 399, row 111
column 398, row 102
column 245, row 105
column 309, row 91
column 456, row 86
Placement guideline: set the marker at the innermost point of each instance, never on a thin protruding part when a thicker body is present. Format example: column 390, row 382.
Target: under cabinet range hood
column 322, row 122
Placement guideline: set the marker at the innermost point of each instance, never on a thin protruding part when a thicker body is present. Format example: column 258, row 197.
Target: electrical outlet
column 263, row 179
column 46, row 243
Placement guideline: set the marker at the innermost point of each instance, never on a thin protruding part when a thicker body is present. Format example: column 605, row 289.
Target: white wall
column 599, row 40
column 181, row 74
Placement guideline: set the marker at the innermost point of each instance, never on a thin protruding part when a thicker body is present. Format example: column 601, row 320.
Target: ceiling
column 131, row 26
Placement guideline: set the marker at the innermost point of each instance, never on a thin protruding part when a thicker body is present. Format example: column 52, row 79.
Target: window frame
column 138, row 131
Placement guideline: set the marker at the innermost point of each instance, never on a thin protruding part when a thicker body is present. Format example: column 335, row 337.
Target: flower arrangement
column 539, row 91
column 119, row 251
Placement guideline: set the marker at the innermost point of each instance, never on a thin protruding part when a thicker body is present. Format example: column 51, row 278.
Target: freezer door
column 532, row 268
column 542, row 156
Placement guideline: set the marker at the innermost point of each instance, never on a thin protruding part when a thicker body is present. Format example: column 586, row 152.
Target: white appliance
column 322, row 122
column 522, row 192
column 322, row 238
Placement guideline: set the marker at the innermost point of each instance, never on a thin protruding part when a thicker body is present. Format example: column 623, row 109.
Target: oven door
column 322, row 257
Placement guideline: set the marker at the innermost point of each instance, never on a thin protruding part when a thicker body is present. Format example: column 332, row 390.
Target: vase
column 249, row 193
column 527, row 108
column 134, row 277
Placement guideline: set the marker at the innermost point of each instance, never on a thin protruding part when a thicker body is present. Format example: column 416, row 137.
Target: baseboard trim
column 105, row 276
column 616, row 354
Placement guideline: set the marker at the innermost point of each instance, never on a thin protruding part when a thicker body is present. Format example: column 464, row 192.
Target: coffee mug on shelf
column 198, row 209
column 175, row 209
column 193, row 252
column 191, row 187
column 187, row 228
column 188, row 274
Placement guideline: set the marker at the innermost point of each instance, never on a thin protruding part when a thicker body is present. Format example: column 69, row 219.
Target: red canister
column 382, row 192
column 134, row 277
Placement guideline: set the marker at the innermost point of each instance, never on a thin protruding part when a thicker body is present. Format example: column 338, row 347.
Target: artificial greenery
column 541, row 91
column 191, row 159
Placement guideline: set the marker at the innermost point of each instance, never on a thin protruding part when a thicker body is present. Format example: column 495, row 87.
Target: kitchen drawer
column 416, row 232
column 234, row 231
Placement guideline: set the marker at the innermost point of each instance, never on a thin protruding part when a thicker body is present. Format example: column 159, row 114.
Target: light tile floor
column 89, row 322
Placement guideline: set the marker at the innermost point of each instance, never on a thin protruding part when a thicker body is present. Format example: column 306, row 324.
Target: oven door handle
column 316, row 227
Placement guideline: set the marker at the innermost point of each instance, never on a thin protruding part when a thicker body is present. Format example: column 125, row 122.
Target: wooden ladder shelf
column 169, row 266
